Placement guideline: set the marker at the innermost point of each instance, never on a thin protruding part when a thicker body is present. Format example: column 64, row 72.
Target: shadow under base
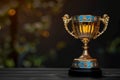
column 81, row 72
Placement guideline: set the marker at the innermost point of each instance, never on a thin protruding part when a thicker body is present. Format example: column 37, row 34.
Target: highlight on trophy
column 85, row 28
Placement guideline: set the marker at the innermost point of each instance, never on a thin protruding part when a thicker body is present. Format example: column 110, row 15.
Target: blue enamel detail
column 85, row 18
column 89, row 64
column 83, row 64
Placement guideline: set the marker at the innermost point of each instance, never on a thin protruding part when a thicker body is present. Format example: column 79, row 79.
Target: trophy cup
column 85, row 28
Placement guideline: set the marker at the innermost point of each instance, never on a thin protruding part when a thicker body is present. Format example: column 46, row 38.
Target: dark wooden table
column 51, row 74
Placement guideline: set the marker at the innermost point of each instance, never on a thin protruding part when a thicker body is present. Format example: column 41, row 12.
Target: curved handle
column 66, row 20
column 105, row 21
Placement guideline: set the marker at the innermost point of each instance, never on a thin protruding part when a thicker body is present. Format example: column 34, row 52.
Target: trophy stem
column 85, row 54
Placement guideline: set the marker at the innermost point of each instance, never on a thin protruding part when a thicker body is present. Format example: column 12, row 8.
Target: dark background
column 102, row 48
column 53, row 46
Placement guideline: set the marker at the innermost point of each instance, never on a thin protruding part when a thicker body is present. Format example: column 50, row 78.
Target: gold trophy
column 85, row 28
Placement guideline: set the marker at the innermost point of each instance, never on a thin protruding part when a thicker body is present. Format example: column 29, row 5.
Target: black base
column 78, row 72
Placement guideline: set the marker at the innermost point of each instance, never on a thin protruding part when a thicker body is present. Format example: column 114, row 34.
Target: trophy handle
column 66, row 20
column 105, row 20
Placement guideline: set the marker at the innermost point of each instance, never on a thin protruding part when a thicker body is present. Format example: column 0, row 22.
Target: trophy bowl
column 85, row 28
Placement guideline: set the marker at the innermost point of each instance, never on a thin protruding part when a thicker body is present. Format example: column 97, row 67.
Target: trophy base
column 80, row 72
column 85, row 68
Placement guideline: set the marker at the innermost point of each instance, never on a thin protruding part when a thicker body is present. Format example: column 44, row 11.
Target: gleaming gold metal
column 85, row 31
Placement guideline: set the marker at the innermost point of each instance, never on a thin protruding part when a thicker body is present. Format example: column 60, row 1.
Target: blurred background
column 32, row 33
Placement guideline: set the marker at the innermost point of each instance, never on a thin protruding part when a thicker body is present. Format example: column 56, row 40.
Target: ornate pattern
column 86, row 18
column 84, row 64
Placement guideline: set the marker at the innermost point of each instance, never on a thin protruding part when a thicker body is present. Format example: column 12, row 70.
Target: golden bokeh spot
column 29, row 5
column 45, row 34
column 12, row 12
column 60, row 45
